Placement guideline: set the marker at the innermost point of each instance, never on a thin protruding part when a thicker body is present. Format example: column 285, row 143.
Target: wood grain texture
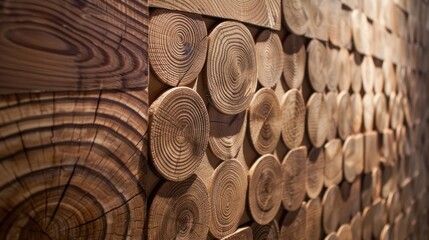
column 241, row 234
column 231, row 70
column 317, row 119
column 267, row 232
column 295, row 15
column 345, row 116
column 315, row 172
column 333, row 163
column 331, row 103
column 293, row 118
column 295, row 58
column 269, row 58
column 345, row 232
column 294, row 224
column 357, row 112
column 294, row 172
column 332, row 204
column 76, row 164
column 313, row 224
column 317, row 64
column 73, row 45
column 353, row 155
column 266, row 13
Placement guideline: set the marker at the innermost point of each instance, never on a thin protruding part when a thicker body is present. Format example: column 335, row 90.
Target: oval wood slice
column 356, row 225
column 345, row 28
column 386, row 233
column 368, row 73
column 367, row 216
column 269, row 58
column 332, row 205
column 354, row 197
column 240, row 234
column 315, row 172
column 390, row 83
column 333, row 69
column 333, row 163
column 294, row 174
column 295, row 58
column 331, row 102
column 345, row 232
column 394, row 206
column 294, row 224
column 334, row 21
column 226, row 133
column 177, row 46
column 368, row 111
column 318, row 25
column 380, row 112
column 317, row 65
column 265, row 189
column 357, row 112
column 345, row 117
column 180, row 210
column 313, row 219
column 371, row 151
column 268, row 232
column 379, row 218
column 355, row 71
column 227, row 197
column 359, row 29
column 378, row 80
column 231, row 67
column 296, row 18
column 317, row 119
column 353, row 157
column 397, row 112
column 366, row 194
column 179, row 131
column 343, row 63
column 265, row 121
column 293, row 118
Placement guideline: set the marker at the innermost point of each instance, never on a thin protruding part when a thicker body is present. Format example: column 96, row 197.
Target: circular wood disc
column 294, row 174
column 317, row 119
column 378, row 80
column 345, row 232
column 353, row 157
column 295, row 16
column 265, row 189
column 396, row 112
column 241, row 233
column 315, row 172
column 231, row 67
column 332, row 204
column 368, row 111
column 331, row 102
column 180, row 210
column 313, row 219
column 389, row 73
column 333, row 163
column 226, row 133
column 331, row 236
column 265, row 121
column 293, row 118
column 295, row 58
column 356, row 225
column 380, row 112
column 367, row 216
column 177, row 46
column 333, row 70
column 293, row 226
column 357, row 112
column 345, row 117
column 266, row 232
column 343, row 63
column 227, row 197
column 179, row 132
column 355, row 71
column 368, row 73
column 317, row 65
column 359, row 28
column 269, row 58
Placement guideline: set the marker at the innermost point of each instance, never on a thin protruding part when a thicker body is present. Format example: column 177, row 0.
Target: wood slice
column 379, row 218
column 368, row 73
column 315, row 172
column 371, row 151
column 368, row 111
column 370, row 9
column 295, row 15
column 333, row 21
column 266, row 232
column 84, row 45
column 388, row 146
column 345, row 116
column 353, row 150
column 332, row 204
column 265, row 189
column 343, row 62
column 227, row 197
column 313, row 219
column 389, row 180
column 360, row 31
column 367, row 217
column 390, row 83
column 265, row 121
column 340, row 32
column 355, row 71
column 293, row 118
column 376, row 183
column 318, row 24
column 177, row 46
column 294, row 174
column 269, row 58
column 295, row 58
column 226, row 133
column 241, row 234
column 317, row 64
column 294, row 224
column 231, row 67
column 380, row 112
column 331, row 102
column 396, row 112
column 317, row 119
column 386, row 233
column 399, row 227
column 357, row 112
column 333, row 163
column 345, row 232
column 333, row 69
column 179, row 132
column 180, row 210
column 378, row 80
column 356, row 225
column 354, row 197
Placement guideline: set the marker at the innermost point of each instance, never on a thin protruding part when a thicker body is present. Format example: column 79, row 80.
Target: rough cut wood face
column 73, row 45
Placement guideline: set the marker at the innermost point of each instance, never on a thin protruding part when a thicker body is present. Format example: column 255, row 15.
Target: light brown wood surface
column 294, row 173
column 333, row 163
column 317, row 119
column 332, row 204
column 269, row 58
column 294, row 224
column 295, row 58
column 293, row 112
